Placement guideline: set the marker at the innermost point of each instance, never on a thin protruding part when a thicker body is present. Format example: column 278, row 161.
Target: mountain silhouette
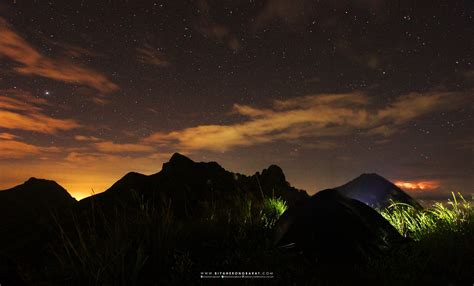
column 375, row 191
column 26, row 211
column 35, row 199
column 190, row 186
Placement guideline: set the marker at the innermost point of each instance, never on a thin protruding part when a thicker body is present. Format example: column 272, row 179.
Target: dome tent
column 329, row 226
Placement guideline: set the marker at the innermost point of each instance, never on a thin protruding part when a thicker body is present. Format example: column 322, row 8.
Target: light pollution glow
column 418, row 186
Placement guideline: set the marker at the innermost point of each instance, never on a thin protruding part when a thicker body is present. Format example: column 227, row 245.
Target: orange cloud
column 35, row 122
column 86, row 138
column 90, row 157
column 7, row 136
column 14, row 47
column 416, row 104
column 337, row 100
column 13, row 149
column 19, row 110
column 418, row 186
column 151, row 56
column 16, row 104
column 111, row 147
column 314, row 116
column 16, row 149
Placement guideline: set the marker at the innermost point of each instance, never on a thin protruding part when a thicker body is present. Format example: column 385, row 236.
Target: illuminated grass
column 271, row 211
column 417, row 224
column 442, row 249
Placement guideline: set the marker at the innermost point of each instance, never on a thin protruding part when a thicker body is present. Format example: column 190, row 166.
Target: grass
column 271, row 211
column 440, row 218
column 442, row 247
column 114, row 249
column 147, row 244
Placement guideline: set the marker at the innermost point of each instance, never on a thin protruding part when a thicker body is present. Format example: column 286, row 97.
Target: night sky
column 327, row 90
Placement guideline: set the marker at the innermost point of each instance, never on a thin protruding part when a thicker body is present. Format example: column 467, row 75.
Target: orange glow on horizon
column 81, row 178
column 418, row 186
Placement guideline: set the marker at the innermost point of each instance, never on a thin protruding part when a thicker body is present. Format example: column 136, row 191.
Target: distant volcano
column 375, row 191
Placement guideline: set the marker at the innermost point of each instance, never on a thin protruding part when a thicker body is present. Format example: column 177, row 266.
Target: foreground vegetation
column 442, row 251
column 149, row 245
column 442, row 218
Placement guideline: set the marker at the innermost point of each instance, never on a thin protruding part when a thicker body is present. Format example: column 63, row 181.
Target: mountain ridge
column 370, row 188
column 190, row 184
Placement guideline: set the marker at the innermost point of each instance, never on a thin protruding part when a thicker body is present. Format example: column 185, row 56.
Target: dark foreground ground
column 148, row 245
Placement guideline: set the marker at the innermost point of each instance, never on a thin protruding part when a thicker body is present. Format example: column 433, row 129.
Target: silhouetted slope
column 35, row 196
column 332, row 227
column 35, row 199
column 189, row 186
column 375, row 191
column 25, row 211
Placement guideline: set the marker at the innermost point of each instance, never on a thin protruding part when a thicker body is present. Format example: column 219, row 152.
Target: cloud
column 340, row 99
column 384, row 130
column 35, row 122
column 151, row 56
column 32, row 62
column 89, row 157
column 418, row 185
column 417, row 104
column 13, row 149
column 213, row 30
column 315, row 117
column 16, row 149
column 19, row 101
column 73, row 51
column 19, row 110
column 86, row 138
column 7, row 136
column 102, row 147
column 111, row 147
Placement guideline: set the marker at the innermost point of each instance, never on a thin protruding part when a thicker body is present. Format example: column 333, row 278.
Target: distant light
column 46, row 92
column 417, row 186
